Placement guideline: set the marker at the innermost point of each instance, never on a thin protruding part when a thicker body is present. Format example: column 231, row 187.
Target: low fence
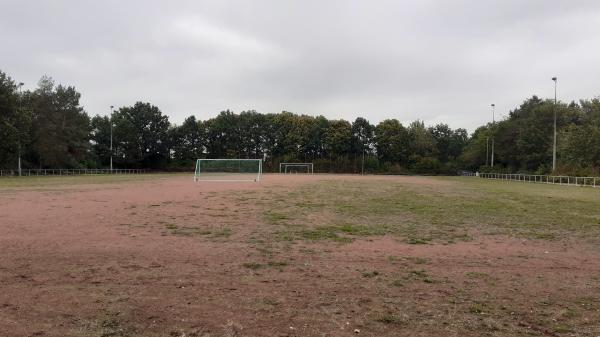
column 542, row 179
column 68, row 172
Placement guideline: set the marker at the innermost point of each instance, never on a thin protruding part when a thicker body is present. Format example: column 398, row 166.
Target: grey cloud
column 440, row 61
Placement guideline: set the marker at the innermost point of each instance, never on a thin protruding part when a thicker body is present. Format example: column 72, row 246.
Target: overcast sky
column 438, row 61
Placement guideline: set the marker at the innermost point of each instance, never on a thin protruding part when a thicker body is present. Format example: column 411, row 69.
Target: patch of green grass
column 477, row 308
column 190, row 231
column 569, row 313
column 540, row 235
column 417, row 260
column 370, row 274
column 270, row 301
column 271, row 264
column 436, row 210
column 398, row 283
column 252, row 265
column 275, row 217
column 222, row 233
column 563, row 328
column 476, row 275
column 363, row 230
column 53, row 182
column 323, row 233
column 420, row 275
column 340, row 233
column 389, row 318
column 196, row 231
column 310, row 205
column 110, row 324
column 418, row 241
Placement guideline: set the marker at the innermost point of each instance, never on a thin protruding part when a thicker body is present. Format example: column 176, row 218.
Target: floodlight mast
column 493, row 124
column 487, row 151
column 555, row 79
column 111, row 138
column 362, row 163
column 20, row 85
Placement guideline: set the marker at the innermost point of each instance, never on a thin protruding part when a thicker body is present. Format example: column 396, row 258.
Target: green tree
column 100, row 137
column 422, row 151
column 474, row 153
column 60, row 126
column 363, row 136
column 223, row 135
column 252, row 127
column 391, row 142
column 140, row 136
column 188, row 141
column 338, row 137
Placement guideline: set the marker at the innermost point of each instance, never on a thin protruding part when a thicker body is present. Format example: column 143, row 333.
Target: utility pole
column 493, row 124
column 111, row 138
column 554, row 147
column 19, row 129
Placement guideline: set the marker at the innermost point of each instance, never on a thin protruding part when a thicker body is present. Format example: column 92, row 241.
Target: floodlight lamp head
column 554, row 79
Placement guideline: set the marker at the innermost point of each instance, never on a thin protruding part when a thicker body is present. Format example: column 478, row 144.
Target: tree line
column 48, row 128
column 524, row 140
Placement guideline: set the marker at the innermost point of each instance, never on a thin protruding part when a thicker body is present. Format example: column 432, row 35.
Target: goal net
column 228, row 170
column 306, row 168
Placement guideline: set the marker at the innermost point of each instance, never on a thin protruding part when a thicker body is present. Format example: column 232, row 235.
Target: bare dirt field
column 323, row 255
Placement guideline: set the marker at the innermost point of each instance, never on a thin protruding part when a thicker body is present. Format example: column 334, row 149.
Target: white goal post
column 228, row 170
column 289, row 167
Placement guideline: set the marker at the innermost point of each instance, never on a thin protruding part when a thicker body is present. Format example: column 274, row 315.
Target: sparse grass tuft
column 252, row 265
column 222, row 233
column 370, row 274
column 323, row 233
column 418, row 241
column 389, row 318
column 476, row 275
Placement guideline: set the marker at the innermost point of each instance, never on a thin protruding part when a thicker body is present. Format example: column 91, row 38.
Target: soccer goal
column 228, row 170
column 306, row 168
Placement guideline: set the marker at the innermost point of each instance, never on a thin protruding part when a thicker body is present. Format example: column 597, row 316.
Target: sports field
column 297, row 255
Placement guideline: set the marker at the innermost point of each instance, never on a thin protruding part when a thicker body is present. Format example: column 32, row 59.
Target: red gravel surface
column 169, row 257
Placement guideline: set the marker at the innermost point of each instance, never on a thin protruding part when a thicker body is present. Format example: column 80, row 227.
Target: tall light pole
column 111, row 138
column 487, row 151
column 493, row 124
column 19, row 129
column 362, row 165
column 554, row 108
